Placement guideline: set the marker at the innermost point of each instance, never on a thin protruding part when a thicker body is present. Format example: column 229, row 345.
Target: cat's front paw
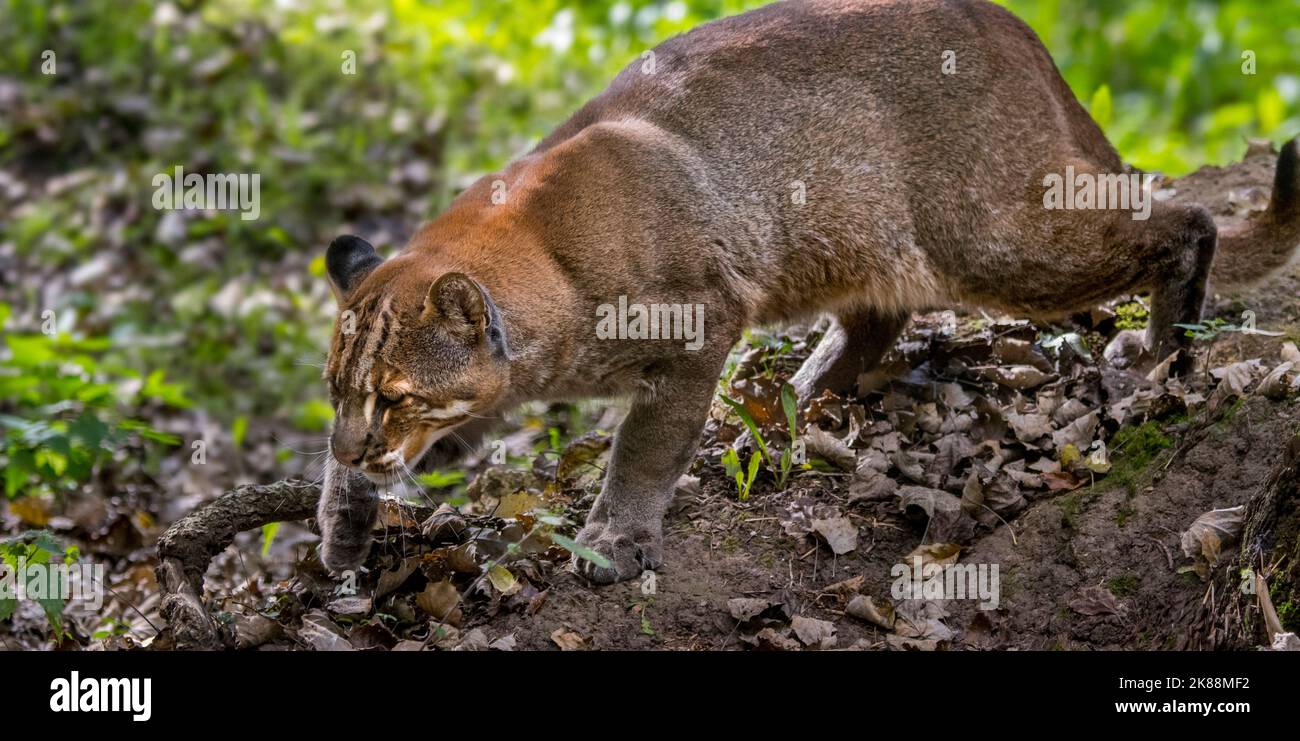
column 342, row 555
column 628, row 551
column 349, row 506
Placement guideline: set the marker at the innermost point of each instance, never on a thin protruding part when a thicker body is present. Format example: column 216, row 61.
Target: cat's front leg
column 349, row 505
column 652, row 449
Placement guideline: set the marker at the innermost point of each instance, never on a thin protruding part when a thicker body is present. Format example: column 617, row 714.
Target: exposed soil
column 1129, row 543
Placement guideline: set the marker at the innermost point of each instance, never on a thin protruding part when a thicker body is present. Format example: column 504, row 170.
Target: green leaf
column 89, row 429
column 238, row 429
column 316, row 268
column 29, row 351
column 790, row 403
column 20, row 468
column 579, row 550
column 171, row 394
column 754, row 460
column 269, row 531
column 148, row 433
column 314, row 415
column 52, row 460
column 731, row 462
column 441, row 479
column 748, row 419
column 1100, row 107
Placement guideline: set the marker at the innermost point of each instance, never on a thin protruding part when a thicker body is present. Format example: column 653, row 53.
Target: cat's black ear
column 347, row 261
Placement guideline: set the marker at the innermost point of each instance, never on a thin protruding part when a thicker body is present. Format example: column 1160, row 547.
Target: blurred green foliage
column 37, row 548
column 1173, row 72
column 237, row 312
column 62, row 414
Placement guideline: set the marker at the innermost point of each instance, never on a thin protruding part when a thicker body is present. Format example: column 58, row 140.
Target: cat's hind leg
column 855, row 343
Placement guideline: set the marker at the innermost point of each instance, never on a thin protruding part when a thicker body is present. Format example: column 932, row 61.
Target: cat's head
column 416, row 352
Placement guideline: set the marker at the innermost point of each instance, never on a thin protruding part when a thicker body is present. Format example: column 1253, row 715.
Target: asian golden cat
column 857, row 158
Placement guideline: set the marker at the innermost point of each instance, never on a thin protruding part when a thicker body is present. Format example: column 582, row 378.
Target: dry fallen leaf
column 1096, row 601
column 940, row 554
column 504, row 581
column 1029, row 428
column 918, row 625
column 948, row 521
column 319, row 632
column 517, row 503
column 745, row 609
column 440, row 600
column 839, row 532
column 567, row 640
column 1012, row 376
column 394, row 578
column 1276, row 385
column 771, row 639
column 863, row 607
column 254, row 630
column 1207, row 536
column 352, row 606
column 1078, row 433
column 1290, row 353
column 34, row 511
column 830, row 448
column 870, row 485
column 819, row 634
column 847, row 587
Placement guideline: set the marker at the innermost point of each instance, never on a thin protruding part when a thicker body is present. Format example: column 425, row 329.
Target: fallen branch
column 190, row 544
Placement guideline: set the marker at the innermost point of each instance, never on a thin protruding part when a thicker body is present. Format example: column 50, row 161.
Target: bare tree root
column 190, row 544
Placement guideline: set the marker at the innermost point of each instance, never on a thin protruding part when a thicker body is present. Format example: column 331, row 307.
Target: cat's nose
column 349, row 457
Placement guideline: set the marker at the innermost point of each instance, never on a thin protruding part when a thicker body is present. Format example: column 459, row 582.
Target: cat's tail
column 1268, row 240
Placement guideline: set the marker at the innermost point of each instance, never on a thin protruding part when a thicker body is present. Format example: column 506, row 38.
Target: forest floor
column 987, row 440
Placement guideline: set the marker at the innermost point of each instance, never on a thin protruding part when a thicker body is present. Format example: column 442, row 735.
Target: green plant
column 644, row 609
column 576, row 548
column 269, row 531
column 37, row 547
column 780, row 467
column 1208, row 329
column 111, row 628
column 63, row 411
column 774, row 348
column 744, row 478
column 441, row 479
column 1131, row 315
column 1123, row 585
column 1132, row 449
column 790, row 405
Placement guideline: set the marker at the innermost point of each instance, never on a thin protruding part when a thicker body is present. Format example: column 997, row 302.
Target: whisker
column 463, row 442
column 414, row 482
column 321, row 439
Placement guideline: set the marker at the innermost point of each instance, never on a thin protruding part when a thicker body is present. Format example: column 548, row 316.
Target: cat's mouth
column 388, row 477
column 387, row 469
